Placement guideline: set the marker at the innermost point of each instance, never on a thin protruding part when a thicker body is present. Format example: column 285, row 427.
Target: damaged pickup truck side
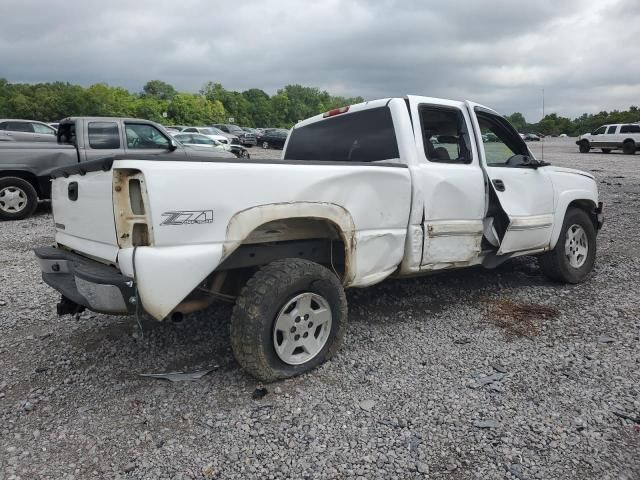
column 389, row 188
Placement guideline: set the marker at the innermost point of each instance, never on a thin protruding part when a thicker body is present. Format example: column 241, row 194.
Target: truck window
column 103, row 135
column 445, row 135
column 600, row 131
column 364, row 136
column 611, row 129
column 499, row 140
column 142, row 135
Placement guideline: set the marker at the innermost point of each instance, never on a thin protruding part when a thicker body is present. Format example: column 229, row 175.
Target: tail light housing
column 131, row 209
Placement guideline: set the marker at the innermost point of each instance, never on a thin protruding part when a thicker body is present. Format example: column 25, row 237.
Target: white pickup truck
column 394, row 187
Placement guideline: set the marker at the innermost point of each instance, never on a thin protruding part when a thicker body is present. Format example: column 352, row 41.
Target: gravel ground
column 449, row 376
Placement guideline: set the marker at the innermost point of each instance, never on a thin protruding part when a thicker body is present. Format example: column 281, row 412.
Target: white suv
column 625, row 136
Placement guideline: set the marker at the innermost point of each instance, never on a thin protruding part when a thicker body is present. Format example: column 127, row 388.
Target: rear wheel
column 629, row 147
column 584, row 147
column 265, row 145
column 18, row 198
column 573, row 257
column 606, row 150
column 289, row 318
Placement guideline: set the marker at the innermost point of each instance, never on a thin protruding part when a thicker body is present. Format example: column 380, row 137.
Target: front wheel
column 573, row 257
column 584, row 147
column 289, row 318
column 265, row 145
column 18, row 198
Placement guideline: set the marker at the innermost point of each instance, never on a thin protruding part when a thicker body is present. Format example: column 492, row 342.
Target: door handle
column 498, row 184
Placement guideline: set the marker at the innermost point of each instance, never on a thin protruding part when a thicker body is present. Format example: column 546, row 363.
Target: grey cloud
column 498, row 52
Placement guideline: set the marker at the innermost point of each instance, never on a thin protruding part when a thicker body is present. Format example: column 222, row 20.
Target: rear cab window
column 362, row 136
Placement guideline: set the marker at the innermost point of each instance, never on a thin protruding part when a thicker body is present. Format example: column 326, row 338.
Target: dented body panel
column 177, row 227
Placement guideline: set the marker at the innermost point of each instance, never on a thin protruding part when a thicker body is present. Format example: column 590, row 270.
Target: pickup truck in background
column 388, row 188
column 25, row 167
column 618, row 136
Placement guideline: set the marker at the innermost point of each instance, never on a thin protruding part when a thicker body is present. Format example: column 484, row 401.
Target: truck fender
column 564, row 200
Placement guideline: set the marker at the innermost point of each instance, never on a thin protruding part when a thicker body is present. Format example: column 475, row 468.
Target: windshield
column 210, row 131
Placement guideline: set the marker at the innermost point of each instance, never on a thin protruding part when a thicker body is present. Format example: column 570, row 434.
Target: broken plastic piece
column 180, row 376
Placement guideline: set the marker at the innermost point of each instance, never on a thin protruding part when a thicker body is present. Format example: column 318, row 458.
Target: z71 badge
column 187, row 217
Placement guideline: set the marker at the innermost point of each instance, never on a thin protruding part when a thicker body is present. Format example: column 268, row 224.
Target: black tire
column 629, row 147
column 584, row 147
column 606, row 150
column 260, row 302
column 555, row 263
column 15, row 185
column 265, row 145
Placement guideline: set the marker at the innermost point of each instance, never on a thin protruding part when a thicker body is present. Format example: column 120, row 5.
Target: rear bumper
column 88, row 283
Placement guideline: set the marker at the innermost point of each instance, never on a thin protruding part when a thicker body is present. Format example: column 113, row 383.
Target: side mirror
column 173, row 145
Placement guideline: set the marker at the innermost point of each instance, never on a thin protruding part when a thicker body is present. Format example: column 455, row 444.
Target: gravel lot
column 447, row 376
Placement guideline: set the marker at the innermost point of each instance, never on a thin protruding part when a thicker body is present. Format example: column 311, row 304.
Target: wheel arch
column 284, row 222
column 583, row 201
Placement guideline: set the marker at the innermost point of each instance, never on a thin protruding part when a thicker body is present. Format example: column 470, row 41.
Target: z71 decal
column 187, row 217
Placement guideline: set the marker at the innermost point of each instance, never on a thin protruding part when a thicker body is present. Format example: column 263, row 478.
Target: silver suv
column 26, row 131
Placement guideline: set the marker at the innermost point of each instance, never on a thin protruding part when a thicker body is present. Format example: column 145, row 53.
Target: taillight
column 336, row 111
column 131, row 210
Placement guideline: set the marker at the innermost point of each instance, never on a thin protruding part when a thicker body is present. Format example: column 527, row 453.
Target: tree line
column 554, row 124
column 50, row 102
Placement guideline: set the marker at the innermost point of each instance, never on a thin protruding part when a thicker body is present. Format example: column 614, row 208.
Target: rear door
column 20, row 131
column 450, row 180
column 102, row 139
column 525, row 194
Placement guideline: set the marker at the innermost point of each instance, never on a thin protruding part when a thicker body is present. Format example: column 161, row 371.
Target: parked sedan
column 274, row 138
column 199, row 140
column 213, row 134
column 531, row 137
column 26, row 131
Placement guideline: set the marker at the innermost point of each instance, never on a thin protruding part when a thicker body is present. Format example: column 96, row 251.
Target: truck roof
column 106, row 119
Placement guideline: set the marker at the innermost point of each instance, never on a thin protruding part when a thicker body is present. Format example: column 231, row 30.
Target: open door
column 521, row 185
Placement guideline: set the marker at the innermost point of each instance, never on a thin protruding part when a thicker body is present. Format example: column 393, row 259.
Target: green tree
column 159, row 90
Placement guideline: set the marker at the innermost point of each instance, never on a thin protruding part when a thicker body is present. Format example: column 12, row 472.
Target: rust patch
column 519, row 319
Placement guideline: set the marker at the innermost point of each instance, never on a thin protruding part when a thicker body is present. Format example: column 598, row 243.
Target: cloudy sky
column 498, row 52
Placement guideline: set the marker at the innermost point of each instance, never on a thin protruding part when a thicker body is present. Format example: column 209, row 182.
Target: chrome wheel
column 13, row 199
column 576, row 246
column 265, row 144
column 302, row 328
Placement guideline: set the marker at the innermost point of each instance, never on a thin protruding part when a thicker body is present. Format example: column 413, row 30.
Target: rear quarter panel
column 375, row 201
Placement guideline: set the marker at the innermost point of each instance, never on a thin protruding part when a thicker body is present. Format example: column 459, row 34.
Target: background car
column 199, row 140
column 246, row 138
column 214, row 134
column 26, row 131
column 255, row 131
column 531, row 137
column 274, row 138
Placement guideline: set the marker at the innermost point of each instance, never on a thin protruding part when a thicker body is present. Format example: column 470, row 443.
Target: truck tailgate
column 83, row 214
